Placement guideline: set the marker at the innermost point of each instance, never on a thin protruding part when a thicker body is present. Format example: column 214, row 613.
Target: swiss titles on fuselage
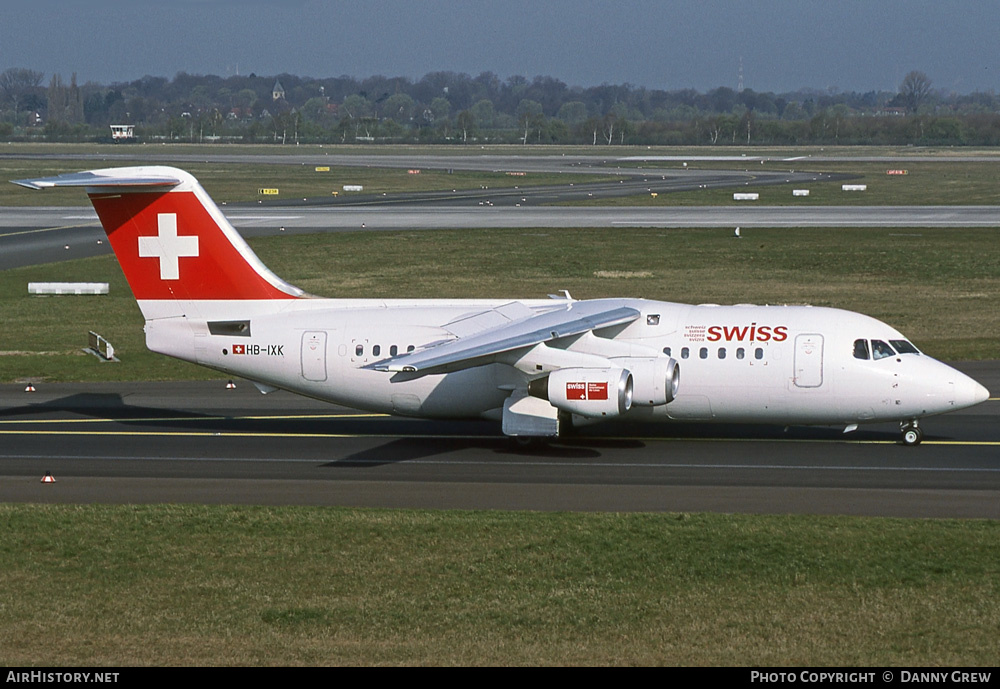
column 746, row 333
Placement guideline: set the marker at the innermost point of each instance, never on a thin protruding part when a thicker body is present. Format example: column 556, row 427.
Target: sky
column 784, row 45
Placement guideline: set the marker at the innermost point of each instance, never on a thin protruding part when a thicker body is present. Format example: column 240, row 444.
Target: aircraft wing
column 574, row 318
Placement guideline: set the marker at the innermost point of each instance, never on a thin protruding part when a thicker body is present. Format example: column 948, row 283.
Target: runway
column 31, row 236
column 480, row 158
column 198, row 442
column 465, row 159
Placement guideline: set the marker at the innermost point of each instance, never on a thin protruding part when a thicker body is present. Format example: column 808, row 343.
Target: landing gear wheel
column 912, row 435
column 526, row 443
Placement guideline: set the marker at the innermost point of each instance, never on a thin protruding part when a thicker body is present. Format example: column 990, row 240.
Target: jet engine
column 590, row 392
column 656, row 379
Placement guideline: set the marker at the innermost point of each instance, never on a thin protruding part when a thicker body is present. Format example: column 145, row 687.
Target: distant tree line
column 447, row 107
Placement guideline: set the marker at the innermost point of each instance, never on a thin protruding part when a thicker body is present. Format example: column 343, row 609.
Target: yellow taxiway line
column 154, row 419
column 275, row 434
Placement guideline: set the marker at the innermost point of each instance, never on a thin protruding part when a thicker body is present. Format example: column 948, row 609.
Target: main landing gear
column 564, row 428
column 911, row 432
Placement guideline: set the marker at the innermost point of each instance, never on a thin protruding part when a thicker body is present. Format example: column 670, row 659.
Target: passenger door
column 808, row 360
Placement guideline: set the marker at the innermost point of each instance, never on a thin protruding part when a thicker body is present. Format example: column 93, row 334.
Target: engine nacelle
column 655, row 379
column 591, row 392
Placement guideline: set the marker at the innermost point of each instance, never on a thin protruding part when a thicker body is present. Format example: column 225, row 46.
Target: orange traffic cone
column 230, row 385
column 29, row 388
column 48, row 478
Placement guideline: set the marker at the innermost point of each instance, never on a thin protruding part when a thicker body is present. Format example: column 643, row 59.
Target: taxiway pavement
column 199, row 442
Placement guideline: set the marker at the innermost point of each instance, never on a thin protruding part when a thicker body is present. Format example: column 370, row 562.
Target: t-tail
column 176, row 248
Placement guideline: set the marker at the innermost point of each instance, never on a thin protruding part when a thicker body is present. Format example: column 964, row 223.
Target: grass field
column 178, row 585
column 938, row 286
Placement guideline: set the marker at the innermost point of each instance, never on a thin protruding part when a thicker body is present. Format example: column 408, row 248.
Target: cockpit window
column 904, row 347
column 881, row 350
column 861, row 349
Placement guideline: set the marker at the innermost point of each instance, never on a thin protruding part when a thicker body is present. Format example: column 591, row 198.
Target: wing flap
column 476, row 323
column 573, row 319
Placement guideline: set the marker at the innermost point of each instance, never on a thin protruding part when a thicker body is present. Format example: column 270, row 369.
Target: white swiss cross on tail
column 168, row 247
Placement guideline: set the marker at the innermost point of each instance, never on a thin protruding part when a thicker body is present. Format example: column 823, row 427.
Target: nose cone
column 939, row 388
column 969, row 393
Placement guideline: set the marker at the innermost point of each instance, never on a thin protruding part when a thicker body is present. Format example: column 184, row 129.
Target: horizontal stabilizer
column 97, row 180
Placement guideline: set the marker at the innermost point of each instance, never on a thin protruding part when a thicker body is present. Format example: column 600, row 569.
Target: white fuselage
column 780, row 364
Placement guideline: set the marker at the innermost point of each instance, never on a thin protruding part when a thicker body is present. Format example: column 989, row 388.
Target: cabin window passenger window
column 904, row 347
column 393, row 350
column 359, row 350
column 758, row 353
column 410, row 348
column 861, row 349
column 376, row 350
column 703, row 353
column 722, row 352
column 880, row 350
column 685, row 352
column 666, row 350
column 740, row 352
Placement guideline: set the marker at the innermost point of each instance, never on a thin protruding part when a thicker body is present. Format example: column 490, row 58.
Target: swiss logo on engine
column 586, row 391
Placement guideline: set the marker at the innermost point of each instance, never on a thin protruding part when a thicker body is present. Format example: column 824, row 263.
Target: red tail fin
column 172, row 241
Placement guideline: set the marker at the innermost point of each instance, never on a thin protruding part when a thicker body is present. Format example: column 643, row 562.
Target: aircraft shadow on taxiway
column 114, row 407
column 414, row 448
column 593, row 442
column 100, row 405
column 408, row 439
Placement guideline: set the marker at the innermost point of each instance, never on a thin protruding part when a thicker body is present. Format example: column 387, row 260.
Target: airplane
column 540, row 367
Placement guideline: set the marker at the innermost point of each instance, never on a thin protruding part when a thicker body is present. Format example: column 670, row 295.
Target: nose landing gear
column 911, row 433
